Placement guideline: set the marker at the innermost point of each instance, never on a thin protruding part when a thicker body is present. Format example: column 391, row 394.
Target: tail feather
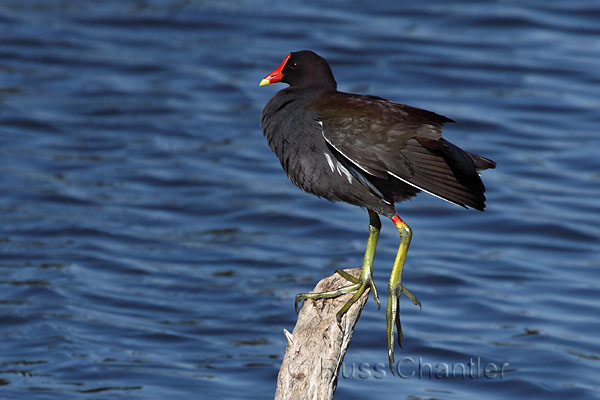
column 481, row 162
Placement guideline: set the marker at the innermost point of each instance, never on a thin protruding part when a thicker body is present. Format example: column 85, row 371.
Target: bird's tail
column 481, row 162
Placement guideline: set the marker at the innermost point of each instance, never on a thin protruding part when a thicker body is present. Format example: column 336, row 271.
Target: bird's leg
column 360, row 284
column 395, row 289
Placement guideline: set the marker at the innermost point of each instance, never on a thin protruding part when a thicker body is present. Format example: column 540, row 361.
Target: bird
column 366, row 151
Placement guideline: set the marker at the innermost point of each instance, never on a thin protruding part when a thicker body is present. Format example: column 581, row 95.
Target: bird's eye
column 293, row 65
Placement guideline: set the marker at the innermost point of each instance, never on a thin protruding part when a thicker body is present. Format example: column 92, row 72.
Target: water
column 151, row 246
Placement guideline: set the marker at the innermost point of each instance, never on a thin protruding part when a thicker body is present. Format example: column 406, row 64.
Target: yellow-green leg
column 395, row 289
column 360, row 284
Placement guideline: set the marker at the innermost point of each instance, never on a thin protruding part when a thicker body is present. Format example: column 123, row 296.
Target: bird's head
column 302, row 69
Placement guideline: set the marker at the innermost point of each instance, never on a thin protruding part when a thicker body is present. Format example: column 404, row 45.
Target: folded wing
column 392, row 141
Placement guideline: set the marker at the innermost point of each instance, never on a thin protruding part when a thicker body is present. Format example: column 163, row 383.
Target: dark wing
column 390, row 140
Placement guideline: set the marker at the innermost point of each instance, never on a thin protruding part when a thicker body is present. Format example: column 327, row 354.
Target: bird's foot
column 393, row 316
column 360, row 284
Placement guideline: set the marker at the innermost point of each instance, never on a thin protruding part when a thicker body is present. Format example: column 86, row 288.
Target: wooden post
column 317, row 346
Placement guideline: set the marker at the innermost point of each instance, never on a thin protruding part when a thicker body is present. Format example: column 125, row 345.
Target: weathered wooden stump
column 317, row 346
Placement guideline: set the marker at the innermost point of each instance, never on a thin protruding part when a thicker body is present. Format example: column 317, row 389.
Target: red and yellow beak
column 276, row 75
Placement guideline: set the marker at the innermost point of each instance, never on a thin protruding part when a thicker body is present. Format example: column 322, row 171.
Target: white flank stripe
column 420, row 188
column 328, row 157
column 342, row 170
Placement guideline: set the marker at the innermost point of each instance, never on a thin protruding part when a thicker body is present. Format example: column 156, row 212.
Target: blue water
column 151, row 246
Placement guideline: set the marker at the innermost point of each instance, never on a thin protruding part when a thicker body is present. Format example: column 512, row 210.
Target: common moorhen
column 369, row 152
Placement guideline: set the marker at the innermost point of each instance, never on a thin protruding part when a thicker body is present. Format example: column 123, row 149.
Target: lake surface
column 151, row 246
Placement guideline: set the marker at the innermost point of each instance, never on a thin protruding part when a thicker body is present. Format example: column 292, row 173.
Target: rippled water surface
column 151, row 246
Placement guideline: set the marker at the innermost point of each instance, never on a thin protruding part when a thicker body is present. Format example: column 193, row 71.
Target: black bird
column 369, row 152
